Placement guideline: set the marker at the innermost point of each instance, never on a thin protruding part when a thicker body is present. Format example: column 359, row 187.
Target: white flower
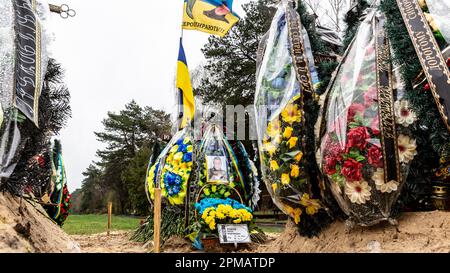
column 358, row 192
column 406, row 148
column 378, row 178
column 403, row 114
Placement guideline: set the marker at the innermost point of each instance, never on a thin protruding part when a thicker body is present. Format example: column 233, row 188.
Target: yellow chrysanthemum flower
column 291, row 114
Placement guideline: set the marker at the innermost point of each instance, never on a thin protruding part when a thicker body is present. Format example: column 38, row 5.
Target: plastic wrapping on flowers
column 173, row 168
column 219, row 172
column 281, row 123
column 436, row 12
column 365, row 145
column 222, row 196
column 11, row 120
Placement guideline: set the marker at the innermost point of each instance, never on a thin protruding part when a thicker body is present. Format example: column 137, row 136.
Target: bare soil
column 116, row 242
column 424, row 232
column 25, row 228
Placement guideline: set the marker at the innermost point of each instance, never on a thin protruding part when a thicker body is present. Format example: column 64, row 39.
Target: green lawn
column 92, row 224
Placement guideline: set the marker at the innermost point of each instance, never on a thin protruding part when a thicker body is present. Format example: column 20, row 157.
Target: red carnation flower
column 354, row 109
column 352, row 170
column 357, row 137
column 375, row 156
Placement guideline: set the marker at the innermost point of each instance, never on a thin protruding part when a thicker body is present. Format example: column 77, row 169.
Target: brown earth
column 427, row 232
column 116, row 242
column 24, row 228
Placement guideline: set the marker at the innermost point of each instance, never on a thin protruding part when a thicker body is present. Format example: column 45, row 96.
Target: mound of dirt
column 416, row 232
column 25, row 228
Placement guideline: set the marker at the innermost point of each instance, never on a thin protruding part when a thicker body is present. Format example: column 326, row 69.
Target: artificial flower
column 375, row 156
column 285, row 179
column 274, row 187
column 292, row 142
column 278, row 139
column 378, row 178
column 403, row 114
column 312, row 205
column 174, row 149
column 355, row 109
column 358, row 191
column 295, row 171
column 375, row 126
column 288, row 132
column 352, row 170
column 274, row 128
column 178, row 156
column 274, row 165
column 298, row 157
column 406, row 148
column 370, row 96
column 291, row 114
column 294, row 213
column 330, row 165
column 357, row 137
column 270, row 148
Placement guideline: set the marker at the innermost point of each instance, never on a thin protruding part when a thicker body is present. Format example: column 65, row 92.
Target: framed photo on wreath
column 217, row 169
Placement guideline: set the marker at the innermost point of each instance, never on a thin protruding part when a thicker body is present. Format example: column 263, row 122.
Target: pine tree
column 120, row 172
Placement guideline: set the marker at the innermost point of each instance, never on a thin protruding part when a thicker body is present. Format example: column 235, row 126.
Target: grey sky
column 114, row 51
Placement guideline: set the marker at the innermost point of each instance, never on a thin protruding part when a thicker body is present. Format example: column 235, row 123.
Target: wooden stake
column 157, row 221
column 109, row 217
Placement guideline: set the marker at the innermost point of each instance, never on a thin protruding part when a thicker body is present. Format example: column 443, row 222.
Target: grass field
column 93, row 224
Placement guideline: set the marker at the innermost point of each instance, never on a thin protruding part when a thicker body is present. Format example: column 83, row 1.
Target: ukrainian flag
column 184, row 86
column 211, row 16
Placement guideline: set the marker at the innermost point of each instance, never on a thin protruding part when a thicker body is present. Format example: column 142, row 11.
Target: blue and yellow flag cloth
column 186, row 94
column 211, row 16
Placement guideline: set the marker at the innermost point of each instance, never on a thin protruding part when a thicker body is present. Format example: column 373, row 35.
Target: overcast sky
column 114, row 51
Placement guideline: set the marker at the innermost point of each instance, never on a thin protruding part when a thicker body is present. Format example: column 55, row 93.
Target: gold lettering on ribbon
column 386, row 103
column 299, row 58
column 429, row 54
